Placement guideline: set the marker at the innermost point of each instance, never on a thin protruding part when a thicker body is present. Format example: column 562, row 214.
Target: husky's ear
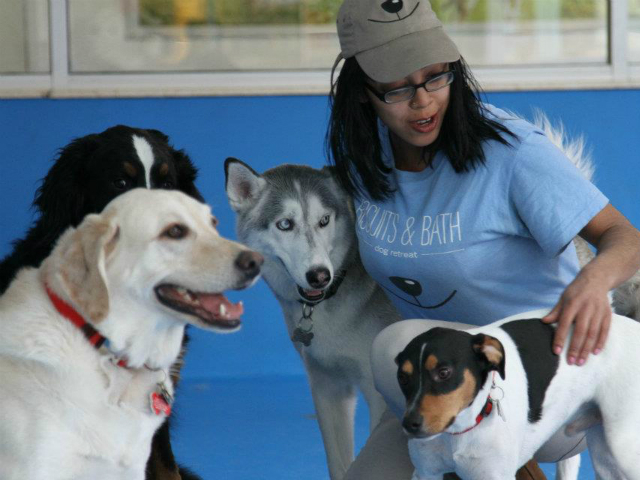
column 242, row 183
column 490, row 351
column 78, row 262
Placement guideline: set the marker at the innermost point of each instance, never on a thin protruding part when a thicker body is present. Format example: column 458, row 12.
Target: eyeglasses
column 403, row 94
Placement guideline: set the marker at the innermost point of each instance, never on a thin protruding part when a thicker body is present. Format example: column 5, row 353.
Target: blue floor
column 260, row 429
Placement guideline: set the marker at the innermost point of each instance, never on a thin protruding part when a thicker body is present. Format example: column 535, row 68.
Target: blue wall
column 264, row 132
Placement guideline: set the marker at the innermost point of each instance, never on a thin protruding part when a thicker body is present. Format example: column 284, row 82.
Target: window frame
column 618, row 73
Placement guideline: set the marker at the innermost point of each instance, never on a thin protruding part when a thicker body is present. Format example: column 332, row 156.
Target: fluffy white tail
column 626, row 298
column 573, row 148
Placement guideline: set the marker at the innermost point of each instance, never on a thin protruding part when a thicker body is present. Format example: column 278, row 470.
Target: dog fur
column 303, row 224
column 538, row 393
column 139, row 272
column 86, row 175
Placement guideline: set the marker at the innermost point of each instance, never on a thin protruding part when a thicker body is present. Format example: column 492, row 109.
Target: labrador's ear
column 79, row 262
column 491, row 352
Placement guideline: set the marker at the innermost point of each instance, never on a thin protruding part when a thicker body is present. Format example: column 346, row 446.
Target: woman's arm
column 585, row 301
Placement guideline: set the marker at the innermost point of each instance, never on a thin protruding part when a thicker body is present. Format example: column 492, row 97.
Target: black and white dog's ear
column 243, row 184
column 490, row 351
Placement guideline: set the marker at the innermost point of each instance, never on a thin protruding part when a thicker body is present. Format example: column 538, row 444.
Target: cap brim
column 401, row 57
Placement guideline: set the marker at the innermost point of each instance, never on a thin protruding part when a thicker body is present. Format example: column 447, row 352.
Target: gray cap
column 391, row 39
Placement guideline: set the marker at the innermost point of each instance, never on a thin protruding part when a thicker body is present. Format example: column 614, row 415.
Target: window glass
column 527, row 32
column 236, row 35
column 634, row 30
column 202, row 35
column 24, row 36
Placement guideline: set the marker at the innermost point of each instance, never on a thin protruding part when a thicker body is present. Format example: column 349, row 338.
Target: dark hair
column 353, row 145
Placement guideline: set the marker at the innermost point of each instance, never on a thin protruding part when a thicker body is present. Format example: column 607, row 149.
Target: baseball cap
column 391, row 39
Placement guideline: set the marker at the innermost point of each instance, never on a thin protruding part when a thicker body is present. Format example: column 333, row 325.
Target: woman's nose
column 421, row 99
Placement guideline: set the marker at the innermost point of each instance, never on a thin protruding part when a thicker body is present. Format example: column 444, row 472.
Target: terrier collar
column 488, row 407
column 484, row 413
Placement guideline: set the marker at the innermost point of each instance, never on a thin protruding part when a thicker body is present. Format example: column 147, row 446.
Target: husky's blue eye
column 285, row 224
column 324, row 221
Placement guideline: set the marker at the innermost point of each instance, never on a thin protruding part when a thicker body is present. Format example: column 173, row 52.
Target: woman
column 464, row 212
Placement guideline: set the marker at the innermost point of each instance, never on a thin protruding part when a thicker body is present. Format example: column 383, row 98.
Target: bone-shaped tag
column 303, row 336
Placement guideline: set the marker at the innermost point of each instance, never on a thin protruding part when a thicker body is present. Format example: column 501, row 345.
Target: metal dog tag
column 300, row 335
column 302, row 332
column 500, row 410
column 499, row 392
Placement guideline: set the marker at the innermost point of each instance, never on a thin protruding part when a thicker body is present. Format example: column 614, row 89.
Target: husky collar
column 303, row 332
column 160, row 399
column 329, row 292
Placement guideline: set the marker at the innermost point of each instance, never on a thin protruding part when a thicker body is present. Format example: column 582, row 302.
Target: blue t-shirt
column 481, row 245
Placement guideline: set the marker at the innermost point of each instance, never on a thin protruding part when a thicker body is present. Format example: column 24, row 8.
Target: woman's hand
column 584, row 303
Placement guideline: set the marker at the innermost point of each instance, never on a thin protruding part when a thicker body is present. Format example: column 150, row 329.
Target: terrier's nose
column 412, row 423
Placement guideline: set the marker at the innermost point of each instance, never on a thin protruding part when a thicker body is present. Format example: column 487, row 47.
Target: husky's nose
column 318, row 277
column 412, row 422
column 249, row 263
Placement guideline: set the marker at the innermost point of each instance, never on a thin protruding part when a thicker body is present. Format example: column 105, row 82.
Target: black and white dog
column 87, row 174
column 481, row 402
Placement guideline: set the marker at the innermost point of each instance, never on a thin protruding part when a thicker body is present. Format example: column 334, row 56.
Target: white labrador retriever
column 86, row 340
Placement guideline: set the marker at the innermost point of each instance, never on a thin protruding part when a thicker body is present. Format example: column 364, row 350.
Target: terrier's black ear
column 491, row 351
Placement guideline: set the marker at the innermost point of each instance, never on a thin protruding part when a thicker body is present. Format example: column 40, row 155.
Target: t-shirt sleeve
column 551, row 196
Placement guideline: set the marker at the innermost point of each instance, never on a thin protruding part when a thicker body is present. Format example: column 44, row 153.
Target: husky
column 302, row 222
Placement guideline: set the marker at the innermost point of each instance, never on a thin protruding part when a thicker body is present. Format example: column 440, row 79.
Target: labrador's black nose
column 249, row 263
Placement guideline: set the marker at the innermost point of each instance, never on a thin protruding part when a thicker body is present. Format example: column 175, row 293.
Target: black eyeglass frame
column 383, row 96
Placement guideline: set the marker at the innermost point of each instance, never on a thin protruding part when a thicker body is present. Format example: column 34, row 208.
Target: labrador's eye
column 285, row 224
column 175, row 231
column 324, row 221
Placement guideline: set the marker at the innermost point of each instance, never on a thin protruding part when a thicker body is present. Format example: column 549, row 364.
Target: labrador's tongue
column 219, row 306
column 313, row 293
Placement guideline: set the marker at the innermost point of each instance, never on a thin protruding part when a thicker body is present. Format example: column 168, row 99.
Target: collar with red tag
column 160, row 399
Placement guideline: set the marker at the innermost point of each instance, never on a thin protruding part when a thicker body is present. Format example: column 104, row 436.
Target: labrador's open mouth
column 212, row 308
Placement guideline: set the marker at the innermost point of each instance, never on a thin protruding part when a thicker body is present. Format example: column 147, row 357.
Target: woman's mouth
column 425, row 125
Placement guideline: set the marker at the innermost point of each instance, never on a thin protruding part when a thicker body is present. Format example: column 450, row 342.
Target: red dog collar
column 67, row 311
column 160, row 399
column 486, row 410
